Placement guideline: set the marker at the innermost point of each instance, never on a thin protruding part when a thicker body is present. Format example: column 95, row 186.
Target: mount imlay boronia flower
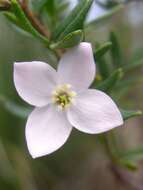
column 63, row 100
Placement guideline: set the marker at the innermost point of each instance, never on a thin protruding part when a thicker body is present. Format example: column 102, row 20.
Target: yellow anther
column 62, row 96
column 54, row 92
column 68, row 86
column 73, row 94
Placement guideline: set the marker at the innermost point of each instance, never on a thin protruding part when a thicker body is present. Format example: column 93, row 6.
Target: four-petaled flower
column 63, row 100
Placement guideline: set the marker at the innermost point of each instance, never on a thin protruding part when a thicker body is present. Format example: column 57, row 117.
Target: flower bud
column 5, row 5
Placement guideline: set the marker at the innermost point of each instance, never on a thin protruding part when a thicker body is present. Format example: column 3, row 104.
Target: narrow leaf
column 108, row 84
column 13, row 108
column 17, row 110
column 135, row 154
column 107, row 4
column 115, row 50
column 130, row 82
column 24, row 22
column 103, row 67
column 69, row 41
column 129, row 164
column 129, row 157
column 102, row 19
column 127, row 114
column 12, row 18
column 62, row 26
column 38, row 5
column 74, row 21
column 134, row 65
column 102, row 50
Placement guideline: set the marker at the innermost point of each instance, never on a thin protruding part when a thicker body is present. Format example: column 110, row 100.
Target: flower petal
column 77, row 66
column 46, row 131
column 94, row 112
column 34, row 81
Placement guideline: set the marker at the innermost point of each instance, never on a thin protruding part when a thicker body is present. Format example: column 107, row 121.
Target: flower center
column 63, row 96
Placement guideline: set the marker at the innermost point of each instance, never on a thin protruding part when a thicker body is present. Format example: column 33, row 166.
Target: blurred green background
column 81, row 164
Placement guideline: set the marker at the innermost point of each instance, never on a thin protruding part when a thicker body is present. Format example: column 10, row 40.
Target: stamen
column 63, row 96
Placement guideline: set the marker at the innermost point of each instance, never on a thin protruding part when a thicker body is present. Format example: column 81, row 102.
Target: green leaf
column 17, row 26
column 130, row 82
column 129, row 157
column 127, row 114
column 69, row 41
column 103, row 67
column 21, row 20
column 102, row 19
column 102, row 50
column 135, row 154
column 109, row 83
column 17, row 110
column 39, row 5
column 74, row 21
column 134, row 65
column 62, row 7
column 107, row 4
column 129, row 164
column 115, row 50
column 12, row 18
column 13, row 108
column 50, row 7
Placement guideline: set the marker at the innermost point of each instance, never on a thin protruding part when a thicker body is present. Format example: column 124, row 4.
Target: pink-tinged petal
column 47, row 130
column 77, row 66
column 34, row 81
column 94, row 112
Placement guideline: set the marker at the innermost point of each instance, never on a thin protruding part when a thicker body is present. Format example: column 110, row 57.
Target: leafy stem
column 37, row 24
column 33, row 19
column 109, row 145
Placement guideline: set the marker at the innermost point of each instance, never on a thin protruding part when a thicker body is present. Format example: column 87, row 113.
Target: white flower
column 63, row 100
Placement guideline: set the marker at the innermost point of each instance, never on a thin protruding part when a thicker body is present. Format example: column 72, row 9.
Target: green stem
column 110, row 146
